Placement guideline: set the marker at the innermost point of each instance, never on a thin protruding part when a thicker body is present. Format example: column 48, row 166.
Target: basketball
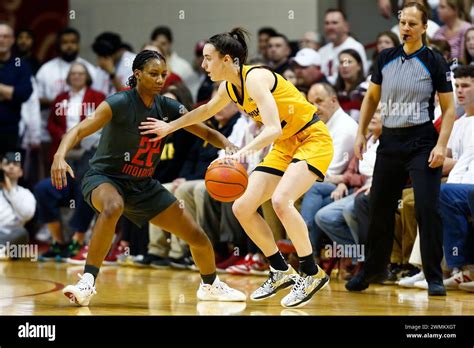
column 226, row 180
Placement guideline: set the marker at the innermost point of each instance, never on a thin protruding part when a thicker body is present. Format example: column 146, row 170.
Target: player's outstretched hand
column 154, row 126
column 59, row 168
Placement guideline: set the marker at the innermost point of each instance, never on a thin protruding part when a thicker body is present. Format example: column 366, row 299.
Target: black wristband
column 112, row 75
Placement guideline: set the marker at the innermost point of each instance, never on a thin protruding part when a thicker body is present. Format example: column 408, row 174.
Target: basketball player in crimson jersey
column 120, row 177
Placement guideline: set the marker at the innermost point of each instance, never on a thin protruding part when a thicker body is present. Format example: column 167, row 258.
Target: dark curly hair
column 140, row 61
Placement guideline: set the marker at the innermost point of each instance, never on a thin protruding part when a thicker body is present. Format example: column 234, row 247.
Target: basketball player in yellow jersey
column 301, row 154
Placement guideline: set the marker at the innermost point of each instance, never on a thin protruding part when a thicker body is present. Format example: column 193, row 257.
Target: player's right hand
column 360, row 146
column 154, row 126
column 59, row 168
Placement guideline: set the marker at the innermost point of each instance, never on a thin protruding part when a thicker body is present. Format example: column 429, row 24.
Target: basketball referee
column 405, row 80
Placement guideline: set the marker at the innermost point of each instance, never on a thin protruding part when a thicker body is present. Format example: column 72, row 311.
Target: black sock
column 307, row 265
column 209, row 278
column 277, row 261
column 92, row 270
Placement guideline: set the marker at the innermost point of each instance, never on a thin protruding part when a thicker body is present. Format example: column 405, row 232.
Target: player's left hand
column 437, row 156
column 154, row 126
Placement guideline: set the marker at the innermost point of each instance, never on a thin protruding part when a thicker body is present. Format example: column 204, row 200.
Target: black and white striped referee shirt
column 409, row 84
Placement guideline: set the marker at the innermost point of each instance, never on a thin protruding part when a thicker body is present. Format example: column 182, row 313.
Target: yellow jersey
column 294, row 110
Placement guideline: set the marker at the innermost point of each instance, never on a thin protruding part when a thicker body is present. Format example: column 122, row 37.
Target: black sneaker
column 361, row 282
column 145, row 261
column 410, row 271
column 160, row 263
column 436, row 289
column 54, row 252
column 71, row 250
column 393, row 274
column 358, row 282
column 185, row 262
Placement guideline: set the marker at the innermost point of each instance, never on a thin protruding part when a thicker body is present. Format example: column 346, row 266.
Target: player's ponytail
column 140, row 61
column 233, row 43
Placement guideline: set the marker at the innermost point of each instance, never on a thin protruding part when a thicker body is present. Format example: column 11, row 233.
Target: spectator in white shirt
column 114, row 61
column 343, row 130
column 51, row 80
column 163, row 38
column 17, row 204
column 457, row 195
column 336, row 29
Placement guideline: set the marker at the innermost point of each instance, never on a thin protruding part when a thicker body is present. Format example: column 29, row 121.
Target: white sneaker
column 81, row 293
column 467, row 286
column 219, row 291
column 409, row 282
column 421, row 284
column 456, row 279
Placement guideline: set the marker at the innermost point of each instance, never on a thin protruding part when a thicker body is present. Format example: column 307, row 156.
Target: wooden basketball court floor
column 34, row 288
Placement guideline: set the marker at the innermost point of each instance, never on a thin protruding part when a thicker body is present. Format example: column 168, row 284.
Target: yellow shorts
column 313, row 145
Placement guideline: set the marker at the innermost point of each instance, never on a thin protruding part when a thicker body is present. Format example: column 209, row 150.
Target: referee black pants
column 403, row 153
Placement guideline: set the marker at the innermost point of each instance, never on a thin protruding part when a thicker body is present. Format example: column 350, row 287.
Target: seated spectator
column 307, row 67
column 455, row 206
column 17, row 204
column 114, row 61
column 336, row 31
column 457, row 209
column 278, row 53
column 385, row 39
column 469, row 46
column 343, row 130
column 350, row 84
column 336, row 219
column 15, row 89
column 262, row 49
column 69, row 109
column 433, row 27
column 456, row 20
